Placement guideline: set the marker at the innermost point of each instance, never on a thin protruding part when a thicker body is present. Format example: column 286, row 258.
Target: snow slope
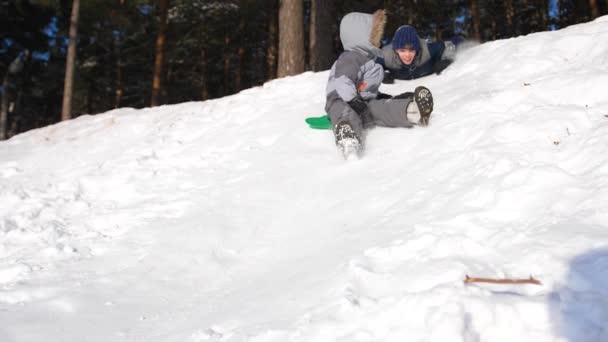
column 230, row 220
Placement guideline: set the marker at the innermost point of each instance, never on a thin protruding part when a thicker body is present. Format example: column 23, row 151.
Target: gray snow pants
column 386, row 112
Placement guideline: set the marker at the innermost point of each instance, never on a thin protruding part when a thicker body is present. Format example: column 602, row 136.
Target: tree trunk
column 594, row 9
column 115, row 69
column 412, row 8
column 438, row 26
column 118, row 85
column 17, row 106
column 509, row 14
column 523, row 18
column 291, row 38
column 271, row 51
column 475, row 15
column 559, row 14
column 543, row 10
column 90, row 99
column 160, row 53
column 321, row 36
column 227, row 56
column 204, row 86
column 68, row 84
column 4, row 108
column 238, row 78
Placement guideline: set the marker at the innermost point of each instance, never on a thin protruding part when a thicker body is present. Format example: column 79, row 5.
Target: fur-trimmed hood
column 362, row 32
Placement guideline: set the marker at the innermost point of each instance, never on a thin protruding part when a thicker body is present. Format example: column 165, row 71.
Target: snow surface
column 231, row 220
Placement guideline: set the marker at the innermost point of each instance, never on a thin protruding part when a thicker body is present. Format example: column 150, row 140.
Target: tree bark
column 4, row 108
column 68, row 84
column 291, row 38
column 509, row 14
column 594, row 9
column 204, row 86
column 321, row 36
column 118, row 85
column 438, row 26
column 115, row 68
column 523, row 18
column 559, row 14
column 271, row 51
column 582, row 12
column 412, row 9
column 15, row 119
column 116, row 38
column 475, row 15
column 238, row 78
column 543, row 16
column 90, row 99
column 227, row 57
column 160, row 53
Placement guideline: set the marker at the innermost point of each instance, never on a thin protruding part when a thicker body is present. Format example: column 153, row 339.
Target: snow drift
column 230, row 220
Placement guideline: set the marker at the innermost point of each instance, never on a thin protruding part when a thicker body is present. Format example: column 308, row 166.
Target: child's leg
column 339, row 111
column 404, row 110
column 390, row 112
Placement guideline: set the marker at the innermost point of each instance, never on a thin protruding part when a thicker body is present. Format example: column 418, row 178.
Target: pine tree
column 475, row 14
column 66, row 111
column 291, row 38
column 321, row 45
column 594, row 8
column 163, row 7
column 272, row 40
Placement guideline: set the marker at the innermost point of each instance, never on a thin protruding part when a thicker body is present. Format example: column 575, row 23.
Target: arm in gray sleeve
column 346, row 75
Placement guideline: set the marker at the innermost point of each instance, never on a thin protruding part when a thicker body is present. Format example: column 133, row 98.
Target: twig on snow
column 531, row 280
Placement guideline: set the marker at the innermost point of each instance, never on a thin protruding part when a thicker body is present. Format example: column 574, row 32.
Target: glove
column 389, row 78
column 359, row 105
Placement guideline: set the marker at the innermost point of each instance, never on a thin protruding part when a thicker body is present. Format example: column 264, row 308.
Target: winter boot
column 424, row 102
column 347, row 141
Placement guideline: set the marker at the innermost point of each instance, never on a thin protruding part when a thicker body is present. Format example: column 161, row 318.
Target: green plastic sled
column 319, row 122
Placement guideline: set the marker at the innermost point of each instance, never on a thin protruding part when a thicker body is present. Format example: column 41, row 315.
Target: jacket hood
column 362, row 32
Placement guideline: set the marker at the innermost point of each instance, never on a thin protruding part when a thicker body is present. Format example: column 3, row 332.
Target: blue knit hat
column 406, row 35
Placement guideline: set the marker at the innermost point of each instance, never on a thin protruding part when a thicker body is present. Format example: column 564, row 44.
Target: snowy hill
column 230, row 220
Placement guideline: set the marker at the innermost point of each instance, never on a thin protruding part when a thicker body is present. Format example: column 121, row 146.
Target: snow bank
column 230, row 220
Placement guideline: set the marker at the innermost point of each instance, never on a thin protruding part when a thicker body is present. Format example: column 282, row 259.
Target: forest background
column 63, row 58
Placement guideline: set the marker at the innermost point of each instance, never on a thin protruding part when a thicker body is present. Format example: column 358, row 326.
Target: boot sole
column 424, row 101
column 348, row 143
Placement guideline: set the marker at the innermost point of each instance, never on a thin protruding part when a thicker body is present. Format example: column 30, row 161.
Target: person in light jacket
column 354, row 102
column 408, row 56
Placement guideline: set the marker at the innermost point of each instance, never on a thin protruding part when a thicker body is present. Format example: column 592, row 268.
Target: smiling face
column 406, row 55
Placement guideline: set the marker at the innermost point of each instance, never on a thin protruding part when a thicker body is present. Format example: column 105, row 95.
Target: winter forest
column 63, row 58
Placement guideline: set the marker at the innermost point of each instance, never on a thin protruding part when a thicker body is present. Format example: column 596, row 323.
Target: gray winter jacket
column 355, row 71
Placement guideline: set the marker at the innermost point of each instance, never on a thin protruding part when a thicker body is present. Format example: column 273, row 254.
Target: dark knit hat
column 406, row 35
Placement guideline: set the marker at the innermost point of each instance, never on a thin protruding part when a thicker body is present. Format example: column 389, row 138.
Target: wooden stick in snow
column 531, row 280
